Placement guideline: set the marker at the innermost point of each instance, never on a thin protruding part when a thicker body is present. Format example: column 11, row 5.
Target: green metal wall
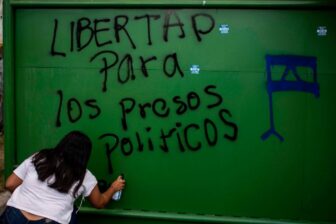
column 174, row 95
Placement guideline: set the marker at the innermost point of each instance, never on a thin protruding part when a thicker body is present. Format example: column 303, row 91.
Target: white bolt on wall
column 321, row 31
column 224, row 29
column 195, row 69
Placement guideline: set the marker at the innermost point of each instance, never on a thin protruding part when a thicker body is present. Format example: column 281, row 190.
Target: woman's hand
column 118, row 184
column 99, row 200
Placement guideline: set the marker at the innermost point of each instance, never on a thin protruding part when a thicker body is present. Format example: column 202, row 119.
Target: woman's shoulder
column 89, row 175
column 89, row 182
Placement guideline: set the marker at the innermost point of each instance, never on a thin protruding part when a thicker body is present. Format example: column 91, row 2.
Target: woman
column 46, row 184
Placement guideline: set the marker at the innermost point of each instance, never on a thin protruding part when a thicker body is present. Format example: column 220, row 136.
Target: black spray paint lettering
column 84, row 25
column 168, row 24
column 158, row 107
column 198, row 31
column 125, row 67
column 218, row 97
column 172, row 59
column 120, row 23
column 107, row 65
column 53, row 52
column 182, row 134
column 234, row 127
column 74, row 109
column 148, row 19
column 127, row 62
column 144, row 64
column 99, row 27
column 142, row 140
column 109, row 149
column 103, row 32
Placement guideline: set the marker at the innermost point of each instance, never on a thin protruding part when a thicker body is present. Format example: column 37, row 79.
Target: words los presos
column 216, row 125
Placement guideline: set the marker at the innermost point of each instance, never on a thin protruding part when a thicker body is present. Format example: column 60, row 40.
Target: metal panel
column 185, row 100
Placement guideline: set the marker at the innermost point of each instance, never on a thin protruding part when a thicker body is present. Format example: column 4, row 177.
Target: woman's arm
column 13, row 181
column 99, row 200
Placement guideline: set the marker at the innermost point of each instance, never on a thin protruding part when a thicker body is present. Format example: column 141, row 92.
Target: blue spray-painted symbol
column 290, row 62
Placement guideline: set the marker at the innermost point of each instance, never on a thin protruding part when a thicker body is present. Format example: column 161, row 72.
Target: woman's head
column 66, row 163
column 74, row 149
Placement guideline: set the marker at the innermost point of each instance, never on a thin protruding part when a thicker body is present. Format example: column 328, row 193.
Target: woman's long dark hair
column 67, row 162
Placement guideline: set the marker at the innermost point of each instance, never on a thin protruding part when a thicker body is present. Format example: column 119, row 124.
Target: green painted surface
column 178, row 3
column 240, row 177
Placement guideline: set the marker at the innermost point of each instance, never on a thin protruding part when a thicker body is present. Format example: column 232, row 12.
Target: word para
column 125, row 69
